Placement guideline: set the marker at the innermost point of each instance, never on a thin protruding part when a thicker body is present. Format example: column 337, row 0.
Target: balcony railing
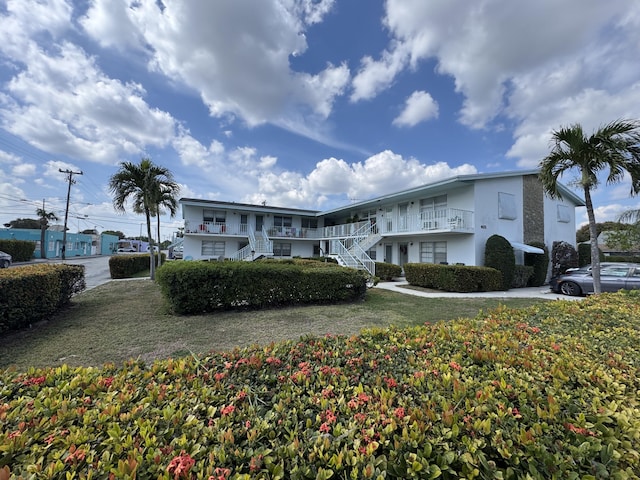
column 446, row 219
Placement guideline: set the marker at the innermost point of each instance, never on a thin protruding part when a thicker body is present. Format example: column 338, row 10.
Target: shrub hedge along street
column 32, row 293
column 545, row 392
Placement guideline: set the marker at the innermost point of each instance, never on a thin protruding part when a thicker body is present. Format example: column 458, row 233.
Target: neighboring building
column 443, row 222
column 78, row 244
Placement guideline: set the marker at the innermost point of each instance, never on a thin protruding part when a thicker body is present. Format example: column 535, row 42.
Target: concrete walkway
column 529, row 292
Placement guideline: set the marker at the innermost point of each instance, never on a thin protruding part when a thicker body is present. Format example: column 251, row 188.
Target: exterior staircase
column 351, row 251
column 259, row 246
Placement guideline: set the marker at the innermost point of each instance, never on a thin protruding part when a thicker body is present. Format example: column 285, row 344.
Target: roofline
column 247, row 206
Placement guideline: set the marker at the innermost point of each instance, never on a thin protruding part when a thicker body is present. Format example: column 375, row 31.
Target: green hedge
column 548, row 392
column 453, row 278
column 521, row 276
column 127, row 265
column 36, row 292
column 387, row 271
column 498, row 254
column 20, row 250
column 196, row 287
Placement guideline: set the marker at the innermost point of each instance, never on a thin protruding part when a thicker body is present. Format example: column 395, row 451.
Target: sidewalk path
column 529, row 292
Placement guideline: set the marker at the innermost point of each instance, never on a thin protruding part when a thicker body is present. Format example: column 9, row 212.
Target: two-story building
column 447, row 221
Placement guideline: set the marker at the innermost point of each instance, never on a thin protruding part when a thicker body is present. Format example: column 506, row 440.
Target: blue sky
column 299, row 103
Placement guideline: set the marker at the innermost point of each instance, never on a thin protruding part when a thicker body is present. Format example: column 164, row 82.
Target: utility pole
column 70, row 175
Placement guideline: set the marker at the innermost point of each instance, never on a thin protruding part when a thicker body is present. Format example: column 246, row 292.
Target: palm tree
column 141, row 183
column 165, row 199
column 45, row 217
column 614, row 147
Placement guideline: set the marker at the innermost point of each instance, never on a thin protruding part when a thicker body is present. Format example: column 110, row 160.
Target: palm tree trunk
column 159, row 253
column 593, row 235
column 152, row 260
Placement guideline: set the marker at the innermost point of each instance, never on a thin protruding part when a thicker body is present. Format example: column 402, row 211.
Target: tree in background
column 614, row 148
column 142, row 184
column 582, row 234
column 24, row 223
column 45, row 217
column 117, row 233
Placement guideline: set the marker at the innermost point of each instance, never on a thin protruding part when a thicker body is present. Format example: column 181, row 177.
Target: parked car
column 613, row 277
column 5, row 260
column 178, row 252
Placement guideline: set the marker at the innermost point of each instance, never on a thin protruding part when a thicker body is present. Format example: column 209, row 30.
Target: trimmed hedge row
column 453, row 278
column 548, row 392
column 197, row 287
column 36, row 292
column 127, row 265
column 387, row 271
column 20, row 250
column 521, row 276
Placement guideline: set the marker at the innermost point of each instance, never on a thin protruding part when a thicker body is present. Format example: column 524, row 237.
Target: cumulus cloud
column 235, row 55
column 538, row 64
column 60, row 100
column 334, row 181
column 420, row 106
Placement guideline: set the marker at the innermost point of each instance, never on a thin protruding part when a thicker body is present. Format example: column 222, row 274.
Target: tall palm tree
column 45, row 218
column 614, row 148
column 165, row 199
column 140, row 182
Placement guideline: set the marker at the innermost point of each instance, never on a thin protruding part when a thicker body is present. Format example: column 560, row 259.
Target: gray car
column 613, row 277
column 5, row 259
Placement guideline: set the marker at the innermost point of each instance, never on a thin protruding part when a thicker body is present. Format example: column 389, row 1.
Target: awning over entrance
column 525, row 248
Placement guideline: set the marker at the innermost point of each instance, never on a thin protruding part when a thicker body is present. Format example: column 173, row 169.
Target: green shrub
column 36, row 292
column 563, row 256
column 540, row 264
column 387, row 271
column 499, row 254
column 20, row 250
column 128, row 265
column 539, row 393
column 196, row 287
column 623, row 259
column 453, row 278
column 584, row 254
column 521, row 276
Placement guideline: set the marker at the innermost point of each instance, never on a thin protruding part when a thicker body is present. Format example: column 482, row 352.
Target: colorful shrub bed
column 547, row 392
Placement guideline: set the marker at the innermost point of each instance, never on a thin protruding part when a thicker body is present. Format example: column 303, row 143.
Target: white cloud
column 541, row 64
column 235, row 55
column 334, row 181
column 420, row 106
column 374, row 76
column 60, row 101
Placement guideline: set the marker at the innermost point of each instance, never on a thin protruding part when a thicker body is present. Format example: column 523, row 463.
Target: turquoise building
column 78, row 244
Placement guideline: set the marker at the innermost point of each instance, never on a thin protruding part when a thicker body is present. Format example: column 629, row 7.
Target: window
column 507, row 206
column 564, row 214
column 212, row 249
column 433, row 252
column 281, row 249
column 280, row 221
column 433, row 211
column 372, row 253
column 217, row 216
column 309, row 222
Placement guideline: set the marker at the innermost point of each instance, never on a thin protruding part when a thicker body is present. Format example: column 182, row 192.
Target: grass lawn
column 129, row 319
